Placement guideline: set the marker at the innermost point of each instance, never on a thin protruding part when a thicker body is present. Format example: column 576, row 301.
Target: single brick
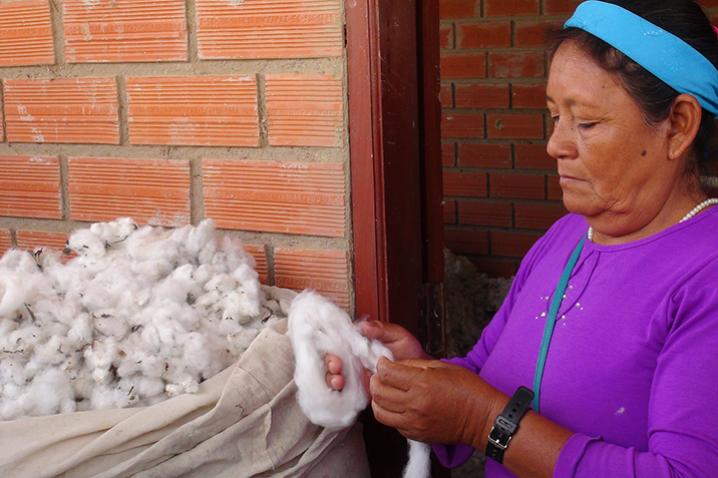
column 448, row 154
column 30, row 187
column 482, row 96
column 446, row 96
column 482, row 155
column 30, row 240
column 516, row 186
column 124, row 31
column 449, row 210
column 554, row 191
column 512, row 244
column 528, row 96
column 305, row 110
column 538, row 215
column 273, row 196
column 253, row 29
column 26, row 33
column 511, row 7
column 529, row 64
column 5, row 241
column 466, row 241
column 462, row 125
column 533, row 156
column 534, row 33
column 563, row 7
column 458, row 8
column 482, row 213
column 193, row 110
column 62, row 110
column 259, row 252
column 484, row 34
column 446, row 36
column 153, row 191
column 324, row 270
column 512, row 125
column 470, row 65
column 458, row 183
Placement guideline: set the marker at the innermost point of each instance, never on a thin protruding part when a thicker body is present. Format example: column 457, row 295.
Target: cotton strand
column 139, row 314
column 317, row 327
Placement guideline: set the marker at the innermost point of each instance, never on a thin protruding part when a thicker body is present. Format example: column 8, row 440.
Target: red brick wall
column 172, row 111
column 499, row 184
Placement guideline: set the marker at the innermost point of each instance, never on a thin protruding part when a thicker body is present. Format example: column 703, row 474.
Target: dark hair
column 686, row 20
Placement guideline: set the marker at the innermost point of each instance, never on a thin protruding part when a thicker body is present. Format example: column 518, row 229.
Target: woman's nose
column 561, row 144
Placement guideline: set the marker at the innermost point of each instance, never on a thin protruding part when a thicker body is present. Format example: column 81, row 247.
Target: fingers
column 387, row 417
column 333, row 376
column 396, row 374
column 335, row 382
column 389, row 398
column 333, row 364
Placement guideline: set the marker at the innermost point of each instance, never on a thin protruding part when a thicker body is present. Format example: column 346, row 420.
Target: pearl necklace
column 691, row 213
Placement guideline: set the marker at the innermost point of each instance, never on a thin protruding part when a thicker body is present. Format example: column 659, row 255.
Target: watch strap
column 507, row 423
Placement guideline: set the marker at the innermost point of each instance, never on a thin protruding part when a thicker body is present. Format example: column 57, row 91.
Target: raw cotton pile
column 139, row 315
column 316, row 327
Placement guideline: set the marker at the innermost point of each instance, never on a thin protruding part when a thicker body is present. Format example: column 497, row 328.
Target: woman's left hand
column 434, row 402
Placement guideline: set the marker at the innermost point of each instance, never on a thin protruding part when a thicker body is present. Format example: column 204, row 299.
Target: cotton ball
column 235, row 255
column 248, row 280
column 14, row 291
column 199, row 237
column 18, row 261
column 99, row 358
column 80, row 332
column 48, row 392
column 105, row 398
column 115, row 232
column 85, row 243
column 51, row 352
column 12, row 371
column 110, row 326
column 222, row 283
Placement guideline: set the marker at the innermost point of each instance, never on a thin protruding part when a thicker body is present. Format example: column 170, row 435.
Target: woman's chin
column 579, row 205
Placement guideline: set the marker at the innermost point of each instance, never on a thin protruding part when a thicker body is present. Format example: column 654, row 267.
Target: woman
column 612, row 319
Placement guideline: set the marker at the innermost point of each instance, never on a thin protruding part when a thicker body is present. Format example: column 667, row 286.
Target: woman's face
column 612, row 164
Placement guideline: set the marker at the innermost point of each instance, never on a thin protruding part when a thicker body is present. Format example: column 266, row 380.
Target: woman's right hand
column 402, row 344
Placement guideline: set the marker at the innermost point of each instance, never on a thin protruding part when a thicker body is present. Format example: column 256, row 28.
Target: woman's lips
column 566, row 179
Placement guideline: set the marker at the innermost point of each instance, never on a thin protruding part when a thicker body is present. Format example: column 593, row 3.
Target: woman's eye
column 588, row 125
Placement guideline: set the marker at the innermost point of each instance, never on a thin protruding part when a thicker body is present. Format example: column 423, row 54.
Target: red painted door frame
column 394, row 116
column 395, row 147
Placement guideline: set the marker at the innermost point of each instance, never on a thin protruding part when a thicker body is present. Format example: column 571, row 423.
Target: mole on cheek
column 644, row 152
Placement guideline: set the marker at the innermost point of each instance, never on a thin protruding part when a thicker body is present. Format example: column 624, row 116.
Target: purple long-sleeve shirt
column 632, row 368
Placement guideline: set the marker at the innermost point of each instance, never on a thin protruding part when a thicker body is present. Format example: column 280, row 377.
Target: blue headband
column 666, row 56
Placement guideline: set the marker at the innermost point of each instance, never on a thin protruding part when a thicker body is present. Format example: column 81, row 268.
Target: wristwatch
column 507, row 423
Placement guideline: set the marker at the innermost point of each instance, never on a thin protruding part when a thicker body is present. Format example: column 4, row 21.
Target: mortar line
column 262, row 111
column 269, row 252
column 196, row 191
column 58, row 31
column 64, row 187
column 122, row 110
column 192, row 42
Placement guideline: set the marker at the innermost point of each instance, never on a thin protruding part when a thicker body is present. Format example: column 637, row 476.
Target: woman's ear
column 685, row 120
